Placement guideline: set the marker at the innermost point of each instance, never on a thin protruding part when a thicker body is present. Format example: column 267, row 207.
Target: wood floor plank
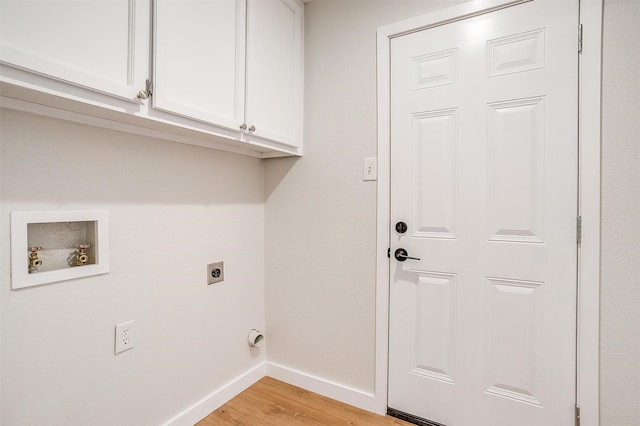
column 341, row 413
column 271, row 402
column 276, row 409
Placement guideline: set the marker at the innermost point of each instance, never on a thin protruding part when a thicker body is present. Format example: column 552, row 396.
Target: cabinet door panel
column 100, row 45
column 199, row 60
column 274, row 37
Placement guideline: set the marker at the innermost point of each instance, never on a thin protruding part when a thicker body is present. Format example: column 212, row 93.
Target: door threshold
column 411, row 418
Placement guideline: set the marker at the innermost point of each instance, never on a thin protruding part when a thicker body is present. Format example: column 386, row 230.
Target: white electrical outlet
column 125, row 336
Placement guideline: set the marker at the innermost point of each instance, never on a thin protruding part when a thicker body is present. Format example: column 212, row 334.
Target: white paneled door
column 484, row 155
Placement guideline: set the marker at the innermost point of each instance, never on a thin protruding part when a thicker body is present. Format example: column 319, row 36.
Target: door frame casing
column 589, row 119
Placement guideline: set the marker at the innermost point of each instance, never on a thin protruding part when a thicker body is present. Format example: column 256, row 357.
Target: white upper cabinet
column 232, row 63
column 102, row 46
column 274, row 70
column 199, row 60
column 225, row 74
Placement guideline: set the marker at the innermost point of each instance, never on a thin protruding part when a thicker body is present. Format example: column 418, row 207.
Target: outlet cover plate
column 215, row 273
column 125, row 336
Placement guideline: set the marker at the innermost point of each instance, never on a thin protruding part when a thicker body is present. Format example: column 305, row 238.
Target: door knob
column 401, row 255
column 401, row 227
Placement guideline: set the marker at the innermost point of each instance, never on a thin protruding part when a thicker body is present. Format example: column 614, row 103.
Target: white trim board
column 333, row 390
column 590, row 116
column 199, row 410
column 588, row 340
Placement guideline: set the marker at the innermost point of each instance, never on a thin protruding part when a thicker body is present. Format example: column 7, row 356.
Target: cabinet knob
column 144, row 94
column 243, row 126
column 252, row 128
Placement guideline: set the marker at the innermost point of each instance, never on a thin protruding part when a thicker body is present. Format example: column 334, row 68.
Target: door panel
column 514, row 339
column 434, row 175
column 484, row 172
column 432, row 325
column 516, row 154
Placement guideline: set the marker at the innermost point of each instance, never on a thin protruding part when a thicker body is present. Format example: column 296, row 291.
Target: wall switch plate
column 370, row 169
column 215, row 272
column 125, row 336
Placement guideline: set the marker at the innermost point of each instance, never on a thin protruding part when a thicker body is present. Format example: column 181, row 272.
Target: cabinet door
column 101, row 45
column 199, row 52
column 274, row 70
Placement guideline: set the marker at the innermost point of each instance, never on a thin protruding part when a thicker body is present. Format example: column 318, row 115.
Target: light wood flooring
column 271, row 402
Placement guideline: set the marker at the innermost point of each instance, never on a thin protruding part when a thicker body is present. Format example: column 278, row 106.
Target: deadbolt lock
column 401, row 227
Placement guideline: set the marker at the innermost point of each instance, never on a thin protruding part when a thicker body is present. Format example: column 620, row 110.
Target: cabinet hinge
column 579, row 229
column 577, row 415
column 389, row 252
column 580, row 38
column 149, row 87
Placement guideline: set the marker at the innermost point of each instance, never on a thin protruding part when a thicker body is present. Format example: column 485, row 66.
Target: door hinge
column 389, row 252
column 579, row 229
column 580, row 38
column 577, row 415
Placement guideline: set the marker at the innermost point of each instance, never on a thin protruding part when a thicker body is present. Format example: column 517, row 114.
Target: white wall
column 620, row 286
column 172, row 209
column 320, row 215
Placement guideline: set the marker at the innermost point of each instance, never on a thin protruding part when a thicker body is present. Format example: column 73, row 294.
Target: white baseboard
column 342, row 393
column 217, row 398
column 220, row 396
